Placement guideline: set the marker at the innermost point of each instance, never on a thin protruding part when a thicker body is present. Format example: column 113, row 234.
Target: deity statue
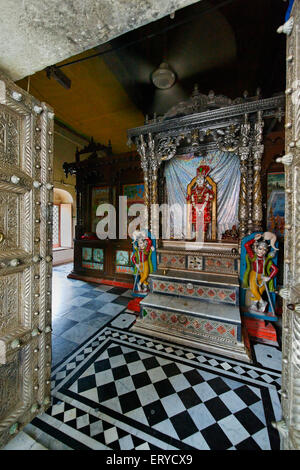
column 201, row 196
column 260, row 270
column 143, row 259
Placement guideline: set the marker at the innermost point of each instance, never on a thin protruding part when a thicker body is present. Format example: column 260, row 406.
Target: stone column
column 257, row 151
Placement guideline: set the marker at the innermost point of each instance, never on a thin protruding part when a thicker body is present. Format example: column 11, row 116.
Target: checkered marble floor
column 122, row 391
column 80, row 309
column 117, row 390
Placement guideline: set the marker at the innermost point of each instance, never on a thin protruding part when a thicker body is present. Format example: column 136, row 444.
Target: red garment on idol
column 199, row 196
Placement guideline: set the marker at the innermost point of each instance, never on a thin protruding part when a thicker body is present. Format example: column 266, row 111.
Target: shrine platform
column 207, row 257
column 195, row 309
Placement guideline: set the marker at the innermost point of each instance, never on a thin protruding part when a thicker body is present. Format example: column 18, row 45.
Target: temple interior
column 167, row 234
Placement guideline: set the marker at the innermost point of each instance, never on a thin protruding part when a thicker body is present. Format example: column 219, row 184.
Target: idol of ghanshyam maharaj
column 200, row 198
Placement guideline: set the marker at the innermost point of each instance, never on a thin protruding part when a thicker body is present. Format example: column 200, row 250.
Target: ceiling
column 35, row 33
column 96, row 106
column 227, row 46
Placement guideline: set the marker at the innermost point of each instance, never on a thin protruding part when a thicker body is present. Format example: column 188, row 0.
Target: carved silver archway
column 212, row 122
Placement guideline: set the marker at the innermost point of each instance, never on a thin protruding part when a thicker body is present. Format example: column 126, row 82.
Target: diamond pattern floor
column 179, row 397
column 120, row 390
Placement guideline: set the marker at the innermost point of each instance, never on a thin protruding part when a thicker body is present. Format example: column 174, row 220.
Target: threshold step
column 205, row 278
column 211, row 327
column 212, row 311
column 213, row 288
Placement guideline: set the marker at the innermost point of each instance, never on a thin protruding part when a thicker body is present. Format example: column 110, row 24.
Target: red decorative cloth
column 200, row 196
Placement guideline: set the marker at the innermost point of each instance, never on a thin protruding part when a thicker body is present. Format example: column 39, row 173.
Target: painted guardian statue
column 260, row 269
column 144, row 260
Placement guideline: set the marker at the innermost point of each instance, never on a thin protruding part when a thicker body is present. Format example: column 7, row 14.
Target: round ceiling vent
column 163, row 77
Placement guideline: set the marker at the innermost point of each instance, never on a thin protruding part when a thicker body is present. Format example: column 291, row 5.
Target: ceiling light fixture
column 59, row 76
column 163, row 77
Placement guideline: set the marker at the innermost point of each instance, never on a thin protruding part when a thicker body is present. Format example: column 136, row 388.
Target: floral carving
column 9, row 138
column 9, row 310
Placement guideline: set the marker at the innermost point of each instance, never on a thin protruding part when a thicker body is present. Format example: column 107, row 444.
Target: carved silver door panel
column 26, row 145
column 289, row 427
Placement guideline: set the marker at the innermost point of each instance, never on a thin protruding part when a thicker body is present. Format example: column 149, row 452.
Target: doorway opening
column 63, row 227
column 146, row 383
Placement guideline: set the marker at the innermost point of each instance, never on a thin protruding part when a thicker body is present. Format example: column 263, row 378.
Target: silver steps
column 195, row 308
column 210, row 288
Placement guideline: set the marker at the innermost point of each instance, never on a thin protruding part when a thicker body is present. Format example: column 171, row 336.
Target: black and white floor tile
column 80, row 309
column 170, row 397
column 118, row 390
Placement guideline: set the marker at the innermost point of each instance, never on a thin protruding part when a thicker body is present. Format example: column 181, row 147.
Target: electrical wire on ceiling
column 152, row 35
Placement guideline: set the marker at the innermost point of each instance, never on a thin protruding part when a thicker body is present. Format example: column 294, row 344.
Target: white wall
column 63, row 256
column 66, row 225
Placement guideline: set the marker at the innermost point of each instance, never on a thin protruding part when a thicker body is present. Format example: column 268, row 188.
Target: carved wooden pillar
column 79, row 217
column 86, row 206
column 257, row 150
column 244, row 152
column 142, row 151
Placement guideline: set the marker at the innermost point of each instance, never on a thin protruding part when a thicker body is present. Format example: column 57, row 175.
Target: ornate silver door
column 289, row 427
column 26, row 143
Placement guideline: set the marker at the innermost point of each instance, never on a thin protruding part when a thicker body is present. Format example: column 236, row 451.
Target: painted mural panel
column 122, row 258
column 134, row 193
column 98, row 255
column 123, row 262
column 87, row 254
column 93, row 258
column 100, row 195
